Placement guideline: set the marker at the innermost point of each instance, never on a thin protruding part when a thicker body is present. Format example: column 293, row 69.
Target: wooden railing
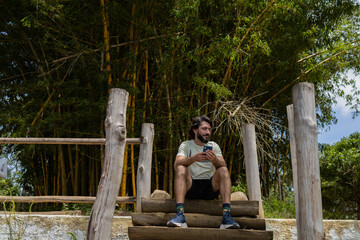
column 63, row 199
column 104, row 203
column 75, row 141
column 60, row 199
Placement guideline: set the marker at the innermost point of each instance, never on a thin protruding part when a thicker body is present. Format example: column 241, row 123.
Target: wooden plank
column 3, row 167
column 102, row 212
column 166, row 233
column 195, row 220
column 252, row 165
column 309, row 186
column 211, row 207
column 60, row 199
column 143, row 176
column 76, row 141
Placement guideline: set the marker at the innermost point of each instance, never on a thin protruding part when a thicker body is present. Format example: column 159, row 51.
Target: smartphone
column 206, row 147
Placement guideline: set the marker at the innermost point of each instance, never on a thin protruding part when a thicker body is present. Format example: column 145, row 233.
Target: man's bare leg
column 183, row 183
column 221, row 180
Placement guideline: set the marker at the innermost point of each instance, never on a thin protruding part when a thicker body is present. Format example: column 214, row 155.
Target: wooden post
column 251, row 165
column 3, row 168
column 143, row 176
column 310, row 206
column 102, row 212
column 290, row 115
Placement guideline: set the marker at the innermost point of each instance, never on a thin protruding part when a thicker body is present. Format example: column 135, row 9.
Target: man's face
column 203, row 132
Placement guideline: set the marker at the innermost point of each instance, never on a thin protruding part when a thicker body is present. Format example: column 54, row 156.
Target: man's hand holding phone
column 210, row 155
column 207, row 147
column 205, row 155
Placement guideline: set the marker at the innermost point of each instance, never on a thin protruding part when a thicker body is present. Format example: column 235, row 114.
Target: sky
column 345, row 125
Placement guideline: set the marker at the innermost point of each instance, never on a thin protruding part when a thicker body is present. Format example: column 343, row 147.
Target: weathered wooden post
column 143, row 176
column 102, row 212
column 3, row 168
column 251, row 165
column 290, row 115
column 310, row 206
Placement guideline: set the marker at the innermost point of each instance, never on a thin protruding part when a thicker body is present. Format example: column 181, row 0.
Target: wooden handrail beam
column 60, row 199
column 75, row 141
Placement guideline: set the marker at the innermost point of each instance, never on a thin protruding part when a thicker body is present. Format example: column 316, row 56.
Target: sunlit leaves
column 340, row 175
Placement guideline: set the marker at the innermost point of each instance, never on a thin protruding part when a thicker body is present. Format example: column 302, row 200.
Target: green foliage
column 275, row 208
column 340, row 175
column 11, row 186
column 241, row 186
column 73, row 236
column 84, row 208
column 16, row 226
column 7, row 188
column 176, row 59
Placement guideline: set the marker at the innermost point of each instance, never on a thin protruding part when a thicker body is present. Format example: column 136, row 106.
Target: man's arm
column 218, row 161
column 182, row 160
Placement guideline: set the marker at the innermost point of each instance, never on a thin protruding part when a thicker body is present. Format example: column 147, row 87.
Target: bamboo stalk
column 156, row 169
column 105, row 21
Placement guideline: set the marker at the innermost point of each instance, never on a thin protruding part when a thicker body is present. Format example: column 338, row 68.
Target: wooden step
column 194, row 220
column 166, row 233
column 211, row 207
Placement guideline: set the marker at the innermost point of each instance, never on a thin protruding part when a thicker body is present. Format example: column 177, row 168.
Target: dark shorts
column 202, row 189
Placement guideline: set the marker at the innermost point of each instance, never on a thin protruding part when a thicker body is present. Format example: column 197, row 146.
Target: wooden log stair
column 202, row 217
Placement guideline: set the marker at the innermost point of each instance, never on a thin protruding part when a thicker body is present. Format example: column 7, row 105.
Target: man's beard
column 202, row 139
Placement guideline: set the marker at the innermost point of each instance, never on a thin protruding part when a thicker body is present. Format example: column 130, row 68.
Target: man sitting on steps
column 201, row 173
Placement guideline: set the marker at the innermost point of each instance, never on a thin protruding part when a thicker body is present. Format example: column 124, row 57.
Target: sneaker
column 177, row 221
column 228, row 222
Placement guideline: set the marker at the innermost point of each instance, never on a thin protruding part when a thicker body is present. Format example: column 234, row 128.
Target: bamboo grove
column 235, row 61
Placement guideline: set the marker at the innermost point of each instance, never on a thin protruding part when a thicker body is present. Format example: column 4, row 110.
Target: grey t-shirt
column 199, row 170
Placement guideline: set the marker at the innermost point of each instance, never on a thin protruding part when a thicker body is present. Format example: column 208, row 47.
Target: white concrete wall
column 285, row 229
column 41, row 227
column 44, row 227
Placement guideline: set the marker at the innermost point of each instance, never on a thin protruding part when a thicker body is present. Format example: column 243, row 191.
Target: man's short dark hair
column 196, row 122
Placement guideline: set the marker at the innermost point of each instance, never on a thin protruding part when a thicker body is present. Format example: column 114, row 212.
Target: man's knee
column 180, row 171
column 223, row 172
